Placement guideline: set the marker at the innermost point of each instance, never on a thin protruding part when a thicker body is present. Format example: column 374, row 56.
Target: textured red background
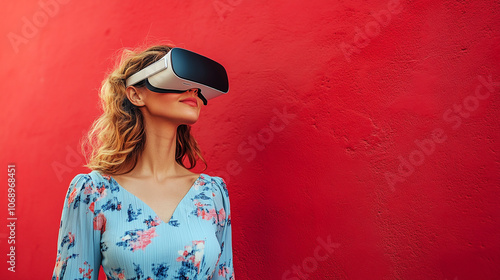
column 360, row 96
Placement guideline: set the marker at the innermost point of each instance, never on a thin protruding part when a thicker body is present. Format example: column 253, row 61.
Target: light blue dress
column 104, row 224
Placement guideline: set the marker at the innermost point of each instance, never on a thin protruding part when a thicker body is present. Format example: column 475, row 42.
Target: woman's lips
column 190, row 103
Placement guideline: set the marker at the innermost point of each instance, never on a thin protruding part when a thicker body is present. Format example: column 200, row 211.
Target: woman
column 141, row 213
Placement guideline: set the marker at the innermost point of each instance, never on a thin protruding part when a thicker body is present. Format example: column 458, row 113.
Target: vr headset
column 180, row 70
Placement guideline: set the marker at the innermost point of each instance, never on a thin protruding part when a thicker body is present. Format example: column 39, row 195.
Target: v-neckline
column 149, row 207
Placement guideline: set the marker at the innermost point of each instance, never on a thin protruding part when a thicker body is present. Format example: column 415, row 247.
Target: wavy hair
column 117, row 138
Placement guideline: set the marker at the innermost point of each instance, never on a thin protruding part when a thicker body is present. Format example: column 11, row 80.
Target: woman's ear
column 135, row 96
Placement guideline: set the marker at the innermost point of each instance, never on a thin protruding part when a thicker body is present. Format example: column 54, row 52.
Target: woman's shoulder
column 92, row 179
column 84, row 190
column 94, row 175
column 217, row 182
column 220, row 195
column 212, row 179
column 91, row 185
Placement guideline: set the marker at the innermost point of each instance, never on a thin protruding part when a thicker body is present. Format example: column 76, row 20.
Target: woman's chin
column 190, row 121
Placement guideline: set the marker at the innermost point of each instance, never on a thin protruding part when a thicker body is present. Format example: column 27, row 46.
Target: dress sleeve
column 224, row 268
column 78, row 244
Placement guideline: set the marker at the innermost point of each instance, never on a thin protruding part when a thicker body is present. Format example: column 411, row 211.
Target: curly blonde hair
column 117, row 138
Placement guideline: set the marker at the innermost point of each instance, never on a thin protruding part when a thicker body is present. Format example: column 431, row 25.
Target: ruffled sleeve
column 224, row 268
column 78, row 243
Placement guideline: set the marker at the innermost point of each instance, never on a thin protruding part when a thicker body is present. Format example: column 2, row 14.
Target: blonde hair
column 117, row 138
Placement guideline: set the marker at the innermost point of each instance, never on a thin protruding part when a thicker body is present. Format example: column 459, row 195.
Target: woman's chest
column 134, row 236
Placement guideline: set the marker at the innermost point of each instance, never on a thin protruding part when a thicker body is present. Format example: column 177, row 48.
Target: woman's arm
column 224, row 268
column 78, row 243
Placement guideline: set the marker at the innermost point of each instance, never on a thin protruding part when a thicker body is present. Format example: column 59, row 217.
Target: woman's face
column 178, row 108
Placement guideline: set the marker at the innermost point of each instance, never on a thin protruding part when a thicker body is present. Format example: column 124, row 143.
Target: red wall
column 376, row 135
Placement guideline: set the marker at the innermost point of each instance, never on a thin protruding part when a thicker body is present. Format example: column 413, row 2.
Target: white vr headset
column 180, row 70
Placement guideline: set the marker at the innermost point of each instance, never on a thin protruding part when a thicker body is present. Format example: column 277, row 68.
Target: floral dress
column 104, row 224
